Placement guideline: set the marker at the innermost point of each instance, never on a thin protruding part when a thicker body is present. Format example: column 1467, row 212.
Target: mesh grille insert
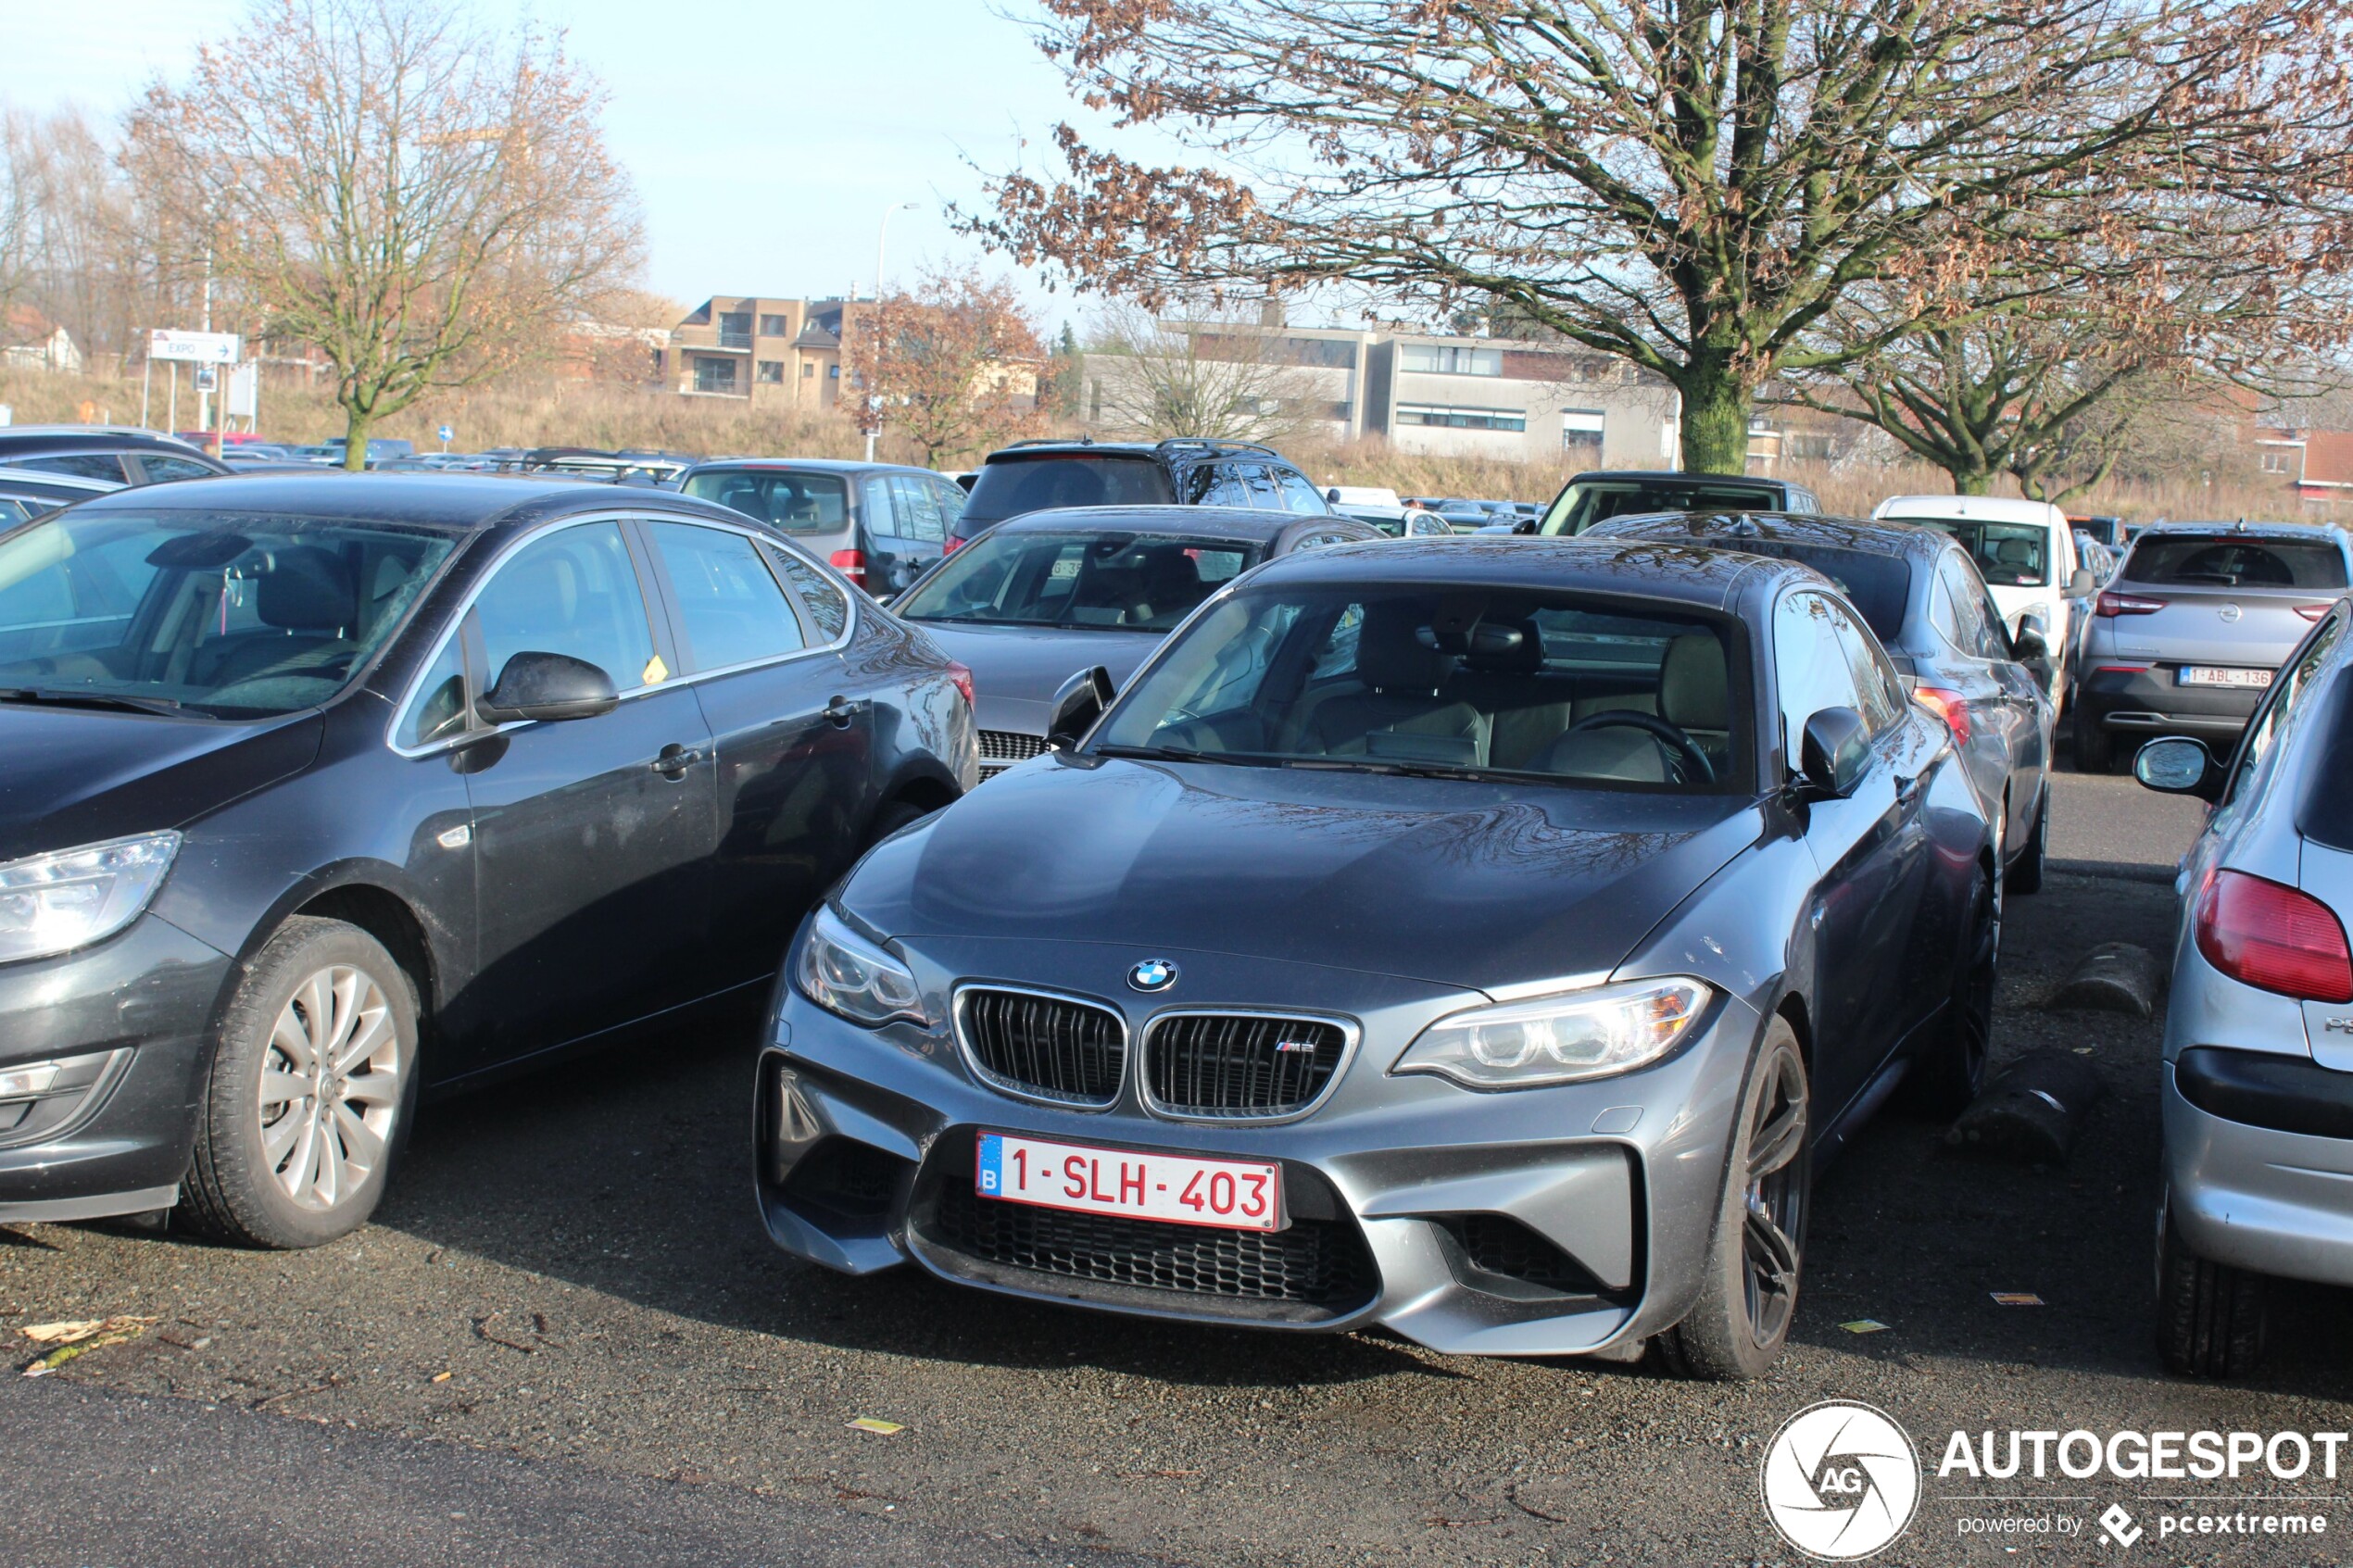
column 1047, row 1044
column 1000, row 749
column 1233, row 1064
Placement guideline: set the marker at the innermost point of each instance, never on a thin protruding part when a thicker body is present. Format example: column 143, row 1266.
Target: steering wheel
column 1689, row 760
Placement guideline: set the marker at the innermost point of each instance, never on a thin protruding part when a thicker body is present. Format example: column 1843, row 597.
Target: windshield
column 2220, row 562
column 1085, row 581
column 2008, row 555
column 222, row 614
column 1505, row 683
column 1587, row 502
column 1011, row 486
column 798, row 502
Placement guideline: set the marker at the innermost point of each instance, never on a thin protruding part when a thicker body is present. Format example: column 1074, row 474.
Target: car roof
column 1970, row 509
column 1726, row 530
column 1702, row 578
column 1208, row 523
column 83, row 438
column 1683, row 476
column 1175, row 447
column 450, row 500
column 825, row 465
column 2304, row 532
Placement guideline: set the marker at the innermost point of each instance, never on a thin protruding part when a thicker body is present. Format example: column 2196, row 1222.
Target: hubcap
column 1776, row 1197
column 330, row 1087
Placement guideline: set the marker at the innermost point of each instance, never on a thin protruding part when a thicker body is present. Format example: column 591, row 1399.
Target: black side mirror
column 1331, row 496
column 1833, row 753
column 2027, row 642
column 2083, row 584
column 1526, row 525
column 1077, row 705
column 2178, row 765
column 546, row 687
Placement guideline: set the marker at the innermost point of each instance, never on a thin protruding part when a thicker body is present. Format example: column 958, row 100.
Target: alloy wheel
column 330, row 1087
column 1775, row 1198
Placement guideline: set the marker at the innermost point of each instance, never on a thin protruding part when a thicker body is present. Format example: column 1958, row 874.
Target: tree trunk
column 355, row 439
column 1716, row 407
column 1970, row 481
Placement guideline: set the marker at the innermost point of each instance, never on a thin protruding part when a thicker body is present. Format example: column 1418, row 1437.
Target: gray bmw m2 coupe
column 1484, row 940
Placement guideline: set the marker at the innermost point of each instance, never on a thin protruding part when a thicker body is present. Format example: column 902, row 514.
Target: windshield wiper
column 55, row 698
column 1388, row 767
column 1188, row 754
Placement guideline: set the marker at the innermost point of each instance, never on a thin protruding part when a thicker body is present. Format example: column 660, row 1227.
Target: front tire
column 2094, row 747
column 1735, row 1331
column 2209, row 1316
column 313, row 1083
column 2025, row 874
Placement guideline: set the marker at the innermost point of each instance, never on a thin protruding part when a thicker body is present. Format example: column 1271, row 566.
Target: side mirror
column 1526, row 525
column 1077, row 705
column 1833, row 753
column 2028, row 643
column 2083, row 584
column 546, row 687
column 2178, row 765
column 1331, row 496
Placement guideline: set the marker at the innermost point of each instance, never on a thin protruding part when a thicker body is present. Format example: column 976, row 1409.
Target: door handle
column 842, row 709
column 674, row 760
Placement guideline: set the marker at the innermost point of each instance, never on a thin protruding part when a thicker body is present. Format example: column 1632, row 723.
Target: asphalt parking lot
column 566, row 1339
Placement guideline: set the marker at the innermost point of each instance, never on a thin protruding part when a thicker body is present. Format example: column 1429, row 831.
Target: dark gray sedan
column 1919, row 591
column 1484, row 940
column 1051, row 594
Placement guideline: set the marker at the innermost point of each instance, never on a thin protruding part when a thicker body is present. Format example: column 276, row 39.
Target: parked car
column 1339, row 497
column 311, row 775
column 1032, row 476
column 2026, row 553
column 2186, row 635
column 30, row 492
column 1047, row 594
column 2258, row 1079
column 1588, row 498
column 2105, row 530
column 1482, row 944
column 1397, row 522
column 628, row 466
column 116, row 453
column 380, row 448
column 1920, row 594
column 879, row 524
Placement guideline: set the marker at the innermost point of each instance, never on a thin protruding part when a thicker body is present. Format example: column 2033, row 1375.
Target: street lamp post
column 882, row 240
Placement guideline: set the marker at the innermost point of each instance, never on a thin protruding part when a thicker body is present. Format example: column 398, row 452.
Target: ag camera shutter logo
column 1841, row 1481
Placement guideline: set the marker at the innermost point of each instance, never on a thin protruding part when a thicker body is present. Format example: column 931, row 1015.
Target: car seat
column 1401, row 712
column 308, row 594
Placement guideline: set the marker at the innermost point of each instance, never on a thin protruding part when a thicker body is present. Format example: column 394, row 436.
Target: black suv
column 1589, row 497
column 118, row 455
column 1036, row 476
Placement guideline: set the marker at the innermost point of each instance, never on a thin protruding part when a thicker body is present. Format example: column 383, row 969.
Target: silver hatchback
column 2258, row 1042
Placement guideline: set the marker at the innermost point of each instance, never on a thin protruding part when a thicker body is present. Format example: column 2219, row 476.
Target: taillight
column 1949, row 705
column 961, row 679
column 2313, row 612
column 952, row 545
column 2274, row 938
column 2126, row 604
column 2120, row 670
column 851, row 564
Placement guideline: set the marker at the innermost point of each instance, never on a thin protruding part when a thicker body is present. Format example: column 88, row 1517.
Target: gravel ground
column 569, row 1269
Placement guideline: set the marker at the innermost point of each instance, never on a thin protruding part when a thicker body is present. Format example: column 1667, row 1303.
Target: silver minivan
column 2258, row 1092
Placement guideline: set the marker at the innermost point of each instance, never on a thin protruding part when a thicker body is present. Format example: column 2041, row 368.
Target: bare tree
column 957, row 366
column 1200, row 373
column 424, row 203
column 1689, row 184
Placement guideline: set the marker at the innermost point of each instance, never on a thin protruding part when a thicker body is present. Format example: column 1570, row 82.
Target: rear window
column 1011, row 487
column 2223, row 561
column 2008, row 555
column 1585, row 503
column 798, row 502
column 1877, row 586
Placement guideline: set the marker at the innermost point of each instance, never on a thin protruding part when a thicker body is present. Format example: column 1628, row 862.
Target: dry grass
column 534, row 411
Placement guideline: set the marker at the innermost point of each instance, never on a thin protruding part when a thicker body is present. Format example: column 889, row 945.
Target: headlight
column 1559, row 1040
column 844, row 974
column 54, row 903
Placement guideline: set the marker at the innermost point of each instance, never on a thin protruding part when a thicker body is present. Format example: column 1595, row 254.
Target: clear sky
column 766, row 139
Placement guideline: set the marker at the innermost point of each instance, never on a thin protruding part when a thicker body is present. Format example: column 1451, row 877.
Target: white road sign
column 201, row 348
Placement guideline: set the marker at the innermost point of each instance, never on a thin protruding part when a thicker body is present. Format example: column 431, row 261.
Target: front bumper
column 2153, row 702
column 2259, row 1159
column 1562, row 1221
column 129, row 1021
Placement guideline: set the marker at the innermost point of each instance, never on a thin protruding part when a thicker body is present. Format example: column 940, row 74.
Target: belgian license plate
column 1230, row 1194
column 2209, row 676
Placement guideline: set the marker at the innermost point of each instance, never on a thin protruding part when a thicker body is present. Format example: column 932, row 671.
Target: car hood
column 79, row 775
column 1017, row 669
column 1459, row 883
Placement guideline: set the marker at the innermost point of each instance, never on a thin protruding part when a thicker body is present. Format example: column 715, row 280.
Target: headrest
column 1391, row 656
column 306, row 589
column 1693, row 691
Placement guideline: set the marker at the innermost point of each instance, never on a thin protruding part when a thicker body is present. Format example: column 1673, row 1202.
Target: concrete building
column 786, row 351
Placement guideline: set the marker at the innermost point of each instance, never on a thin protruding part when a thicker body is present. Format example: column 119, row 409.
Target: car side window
column 877, row 514
column 159, row 468
column 1811, row 665
column 1264, row 494
column 827, row 605
column 1882, row 694
column 1223, row 487
column 952, row 505
column 2280, row 703
column 81, row 465
column 1298, row 495
column 918, row 509
column 571, row 592
column 730, row 609
column 440, row 709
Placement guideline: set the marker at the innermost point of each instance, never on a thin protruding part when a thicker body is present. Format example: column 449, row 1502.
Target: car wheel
column 313, row 1082
column 1950, row 1070
column 894, row 815
column 2209, row 1316
column 2094, row 749
column 1746, row 1302
column 2024, row 874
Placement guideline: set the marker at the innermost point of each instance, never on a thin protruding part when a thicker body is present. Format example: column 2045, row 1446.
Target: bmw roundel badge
column 1152, row 974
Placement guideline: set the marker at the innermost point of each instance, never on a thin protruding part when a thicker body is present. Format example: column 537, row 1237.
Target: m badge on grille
column 1152, row 974
column 1295, row 1048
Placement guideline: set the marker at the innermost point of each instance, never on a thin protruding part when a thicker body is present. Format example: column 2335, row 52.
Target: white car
column 2025, row 550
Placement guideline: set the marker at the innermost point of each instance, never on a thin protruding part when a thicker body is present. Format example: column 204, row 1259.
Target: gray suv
column 2258, row 1090
column 2185, row 637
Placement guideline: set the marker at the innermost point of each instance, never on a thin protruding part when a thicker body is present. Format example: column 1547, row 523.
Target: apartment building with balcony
column 785, row 351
